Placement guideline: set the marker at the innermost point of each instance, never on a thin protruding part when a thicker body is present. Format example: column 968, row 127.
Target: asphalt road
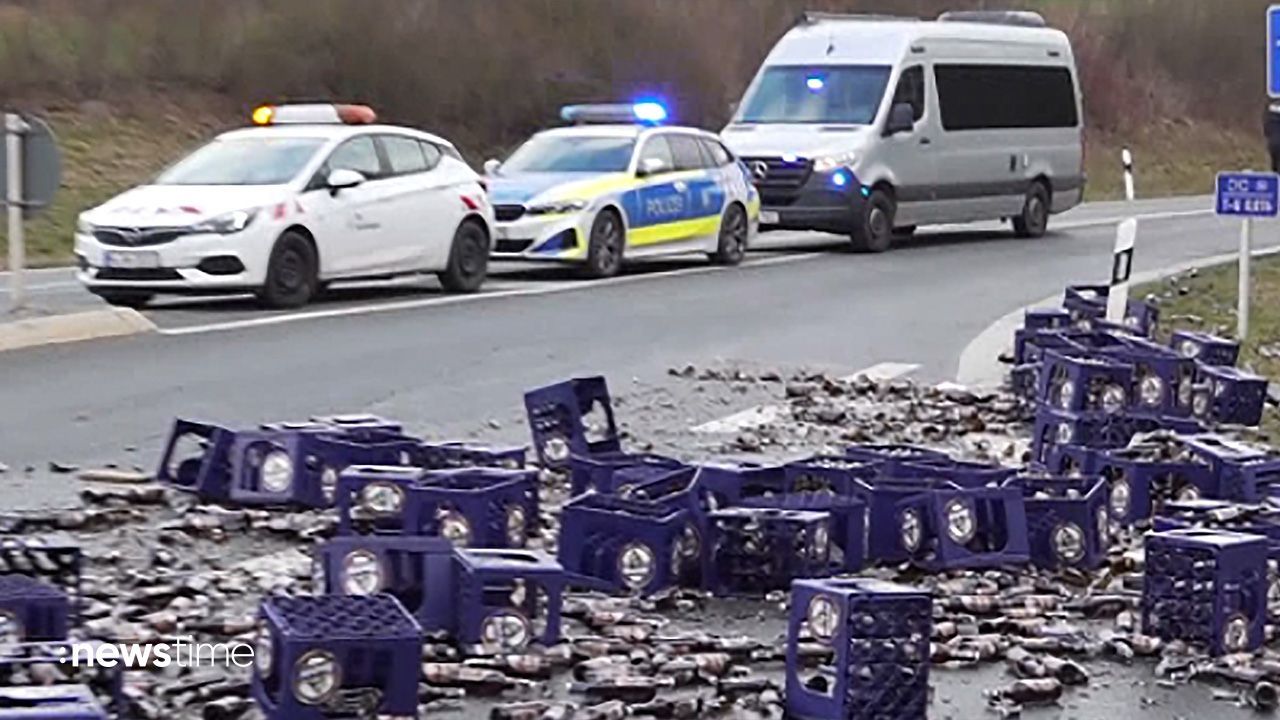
column 447, row 365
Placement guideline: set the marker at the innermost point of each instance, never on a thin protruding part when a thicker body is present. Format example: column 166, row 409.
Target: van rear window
column 983, row 97
column 828, row 94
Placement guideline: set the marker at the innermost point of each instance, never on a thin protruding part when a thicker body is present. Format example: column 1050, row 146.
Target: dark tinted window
column 432, row 153
column 976, row 97
column 357, row 154
column 687, row 154
column 404, row 155
column 720, row 155
column 656, row 148
column 911, row 90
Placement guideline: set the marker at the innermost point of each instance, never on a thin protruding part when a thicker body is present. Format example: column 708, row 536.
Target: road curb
column 980, row 366
column 73, row 327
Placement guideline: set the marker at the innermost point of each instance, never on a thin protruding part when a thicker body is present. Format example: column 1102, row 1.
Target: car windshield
column 847, row 95
column 569, row 153
column 243, row 161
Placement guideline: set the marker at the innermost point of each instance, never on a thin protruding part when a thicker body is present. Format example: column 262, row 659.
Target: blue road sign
column 1248, row 194
column 1273, row 51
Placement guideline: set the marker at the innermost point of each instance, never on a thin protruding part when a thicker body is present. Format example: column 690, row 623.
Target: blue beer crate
column 417, row 570
column 1241, row 473
column 508, row 599
column 1068, row 522
column 756, row 550
column 32, row 610
column 50, row 702
column 1144, row 477
column 632, row 545
column 892, row 458
column 614, row 472
column 829, row 474
column 1081, row 382
column 949, row 528
column 1231, row 396
column 1205, row 349
column 848, row 523
column 557, row 419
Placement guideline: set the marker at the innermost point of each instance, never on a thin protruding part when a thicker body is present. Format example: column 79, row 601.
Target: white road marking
column 764, row 414
column 458, row 299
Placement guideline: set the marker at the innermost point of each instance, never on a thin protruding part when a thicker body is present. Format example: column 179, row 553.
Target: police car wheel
column 120, row 298
column 468, row 259
column 733, row 237
column 873, row 232
column 1033, row 221
column 604, row 251
column 291, row 273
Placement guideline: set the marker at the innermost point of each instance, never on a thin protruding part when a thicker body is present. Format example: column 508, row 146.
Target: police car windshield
column 834, row 94
column 571, row 153
column 243, row 161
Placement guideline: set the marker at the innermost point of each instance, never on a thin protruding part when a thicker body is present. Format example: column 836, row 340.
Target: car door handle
column 926, row 141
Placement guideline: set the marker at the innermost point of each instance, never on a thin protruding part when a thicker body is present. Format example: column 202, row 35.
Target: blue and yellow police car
column 619, row 185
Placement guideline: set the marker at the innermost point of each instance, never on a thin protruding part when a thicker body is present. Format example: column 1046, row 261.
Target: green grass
column 1207, row 302
column 1179, row 159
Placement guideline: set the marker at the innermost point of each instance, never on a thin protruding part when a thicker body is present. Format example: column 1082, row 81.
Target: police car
column 310, row 195
column 619, row 185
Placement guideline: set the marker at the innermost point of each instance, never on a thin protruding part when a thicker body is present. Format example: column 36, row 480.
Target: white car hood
column 178, row 205
column 801, row 140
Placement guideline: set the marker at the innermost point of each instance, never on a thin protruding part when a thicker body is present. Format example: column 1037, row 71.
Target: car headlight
column 1113, row 399
column 1151, row 390
column 84, row 227
column 824, row 618
column 636, row 565
column 455, row 528
column 264, row 651
column 827, row 163
column 1121, row 497
column 329, row 484
column 226, row 224
column 276, row 473
column 516, row 519
column 1066, row 393
column 361, row 573
column 10, row 628
column 1068, row 543
column 1235, row 635
column 910, row 530
column 316, row 677
column 506, row 629
column 382, row 498
column 961, row 524
column 557, row 207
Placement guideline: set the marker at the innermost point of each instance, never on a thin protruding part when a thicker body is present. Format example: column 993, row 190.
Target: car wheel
column 734, row 231
column 874, row 231
column 291, row 273
column 124, row 298
column 604, row 250
column 905, row 231
column 468, row 259
column 1033, row 222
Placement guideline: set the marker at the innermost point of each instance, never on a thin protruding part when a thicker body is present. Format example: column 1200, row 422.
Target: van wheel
column 604, row 250
column 733, row 237
column 468, row 259
column 291, row 273
column 874, row 231
column 1033, row 222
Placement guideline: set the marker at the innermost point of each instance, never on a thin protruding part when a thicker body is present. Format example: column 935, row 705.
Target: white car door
column 350, row 225
column 423, row 202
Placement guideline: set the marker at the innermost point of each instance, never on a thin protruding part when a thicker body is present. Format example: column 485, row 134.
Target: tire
column 1033, row 221
column 874, row 231
column 468, row 259
column 604, row 250
column 734, row 233
column 125, row 298
column 291, row 273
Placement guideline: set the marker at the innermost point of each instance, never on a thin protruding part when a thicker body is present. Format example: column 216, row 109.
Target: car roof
column 840, row 41
column 328, row 132
column 621, row 130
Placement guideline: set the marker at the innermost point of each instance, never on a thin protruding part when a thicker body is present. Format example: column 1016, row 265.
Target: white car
column 313, row 194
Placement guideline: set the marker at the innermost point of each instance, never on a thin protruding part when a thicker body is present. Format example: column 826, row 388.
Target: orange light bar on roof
column 314, row 114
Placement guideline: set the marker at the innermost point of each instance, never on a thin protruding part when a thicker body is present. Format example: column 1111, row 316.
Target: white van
column 871, row 126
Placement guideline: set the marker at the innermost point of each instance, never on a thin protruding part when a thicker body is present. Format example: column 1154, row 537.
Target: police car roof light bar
column 647, row 112
column 314, row 114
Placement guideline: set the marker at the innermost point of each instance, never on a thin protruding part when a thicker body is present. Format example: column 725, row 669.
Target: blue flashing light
column 840, row 178
column 866, row 191
column 815, row 83
column 649, row 111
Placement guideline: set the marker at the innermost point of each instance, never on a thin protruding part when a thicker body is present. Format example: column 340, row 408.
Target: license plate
column 131, row 260
column 768, row 217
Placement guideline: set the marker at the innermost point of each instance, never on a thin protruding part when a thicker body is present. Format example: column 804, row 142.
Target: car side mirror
column 491, row 166
column 651, row 166
column 343, row 179
column 902, row 119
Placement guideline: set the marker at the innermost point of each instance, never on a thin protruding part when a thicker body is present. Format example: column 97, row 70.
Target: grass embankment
column 1206, row 301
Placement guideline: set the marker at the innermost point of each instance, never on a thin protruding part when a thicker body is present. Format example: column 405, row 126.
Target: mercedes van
column 871, row 126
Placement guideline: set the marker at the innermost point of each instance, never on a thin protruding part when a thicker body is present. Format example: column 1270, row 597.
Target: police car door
column 349, row 225
column 423, row 208
column 661, row 200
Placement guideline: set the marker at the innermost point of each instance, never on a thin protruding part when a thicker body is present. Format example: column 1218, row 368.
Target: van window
column 830, row 94
column 979, row 97
column 911, row 90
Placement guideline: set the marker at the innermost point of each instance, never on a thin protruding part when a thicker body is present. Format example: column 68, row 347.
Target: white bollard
column 1127, row 158
column 14, row 127
column 1246, row 254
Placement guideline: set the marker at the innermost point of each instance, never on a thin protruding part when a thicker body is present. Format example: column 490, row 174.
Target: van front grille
column 775, row 173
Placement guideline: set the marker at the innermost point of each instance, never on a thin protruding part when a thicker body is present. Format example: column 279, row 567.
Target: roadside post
column 1122, row 257
column 32, row 174
column 1247, row 195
